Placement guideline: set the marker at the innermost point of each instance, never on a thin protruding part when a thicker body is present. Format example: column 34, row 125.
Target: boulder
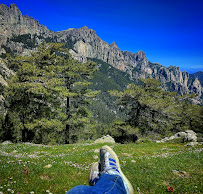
column 7, row 142
column 192, row 143
column 105, row 139
column 186, row 136
column 190, row 136
column 180, row 134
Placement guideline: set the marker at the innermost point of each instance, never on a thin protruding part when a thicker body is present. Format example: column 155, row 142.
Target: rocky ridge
column 13, row 22
column 84, row 43
column 89, row 45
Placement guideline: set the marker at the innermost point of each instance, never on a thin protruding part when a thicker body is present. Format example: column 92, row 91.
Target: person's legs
column 111, row 184
column 106, row 176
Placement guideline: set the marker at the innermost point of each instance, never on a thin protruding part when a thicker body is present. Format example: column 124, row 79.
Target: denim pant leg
column 111, row 184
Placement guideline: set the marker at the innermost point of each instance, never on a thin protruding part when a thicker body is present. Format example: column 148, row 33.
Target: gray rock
column 89, row 45
column 13, row 22
column 186, row 136
column 192, row 144
column 180, row 134
column 6, row 142
column 190, row 136
column 105, row 139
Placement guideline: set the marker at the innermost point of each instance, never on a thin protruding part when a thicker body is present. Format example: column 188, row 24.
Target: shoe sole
column 94, row 165
column 119, row 167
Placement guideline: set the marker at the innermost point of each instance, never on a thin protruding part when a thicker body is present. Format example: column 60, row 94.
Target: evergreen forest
column 54, row 99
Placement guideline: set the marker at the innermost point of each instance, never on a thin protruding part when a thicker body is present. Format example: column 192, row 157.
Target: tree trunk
column 24, row 131
column 137, row 115
column 67, row 131
column 24, row 135
column 68, row 127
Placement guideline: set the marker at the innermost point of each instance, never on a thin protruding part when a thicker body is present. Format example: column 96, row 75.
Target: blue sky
column 168, row 31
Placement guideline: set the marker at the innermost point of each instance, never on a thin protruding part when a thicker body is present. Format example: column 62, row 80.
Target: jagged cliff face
column 12, row 22
column 89, row 45
column 86, row 44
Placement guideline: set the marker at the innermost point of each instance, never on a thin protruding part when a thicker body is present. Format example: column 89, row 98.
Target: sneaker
column 110, row 164
column 94, row 173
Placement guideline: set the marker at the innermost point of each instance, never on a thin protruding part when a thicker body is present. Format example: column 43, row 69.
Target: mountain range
column 20, row 35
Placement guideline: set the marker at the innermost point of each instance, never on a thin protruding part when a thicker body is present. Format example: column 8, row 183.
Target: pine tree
column 48, row 93
column 152, row 109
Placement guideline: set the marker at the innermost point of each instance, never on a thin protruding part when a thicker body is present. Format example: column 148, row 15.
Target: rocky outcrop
column 88, row 45
column 12, row 22
column 187, row 136
column 105, row 139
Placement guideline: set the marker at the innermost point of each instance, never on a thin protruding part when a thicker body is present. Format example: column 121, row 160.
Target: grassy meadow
column 150, row 167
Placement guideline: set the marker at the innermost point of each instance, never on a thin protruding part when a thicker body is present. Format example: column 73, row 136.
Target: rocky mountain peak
column 141, row 54
column 14, row 8
column 12, row 22
column 113, row 45
column 85, row 28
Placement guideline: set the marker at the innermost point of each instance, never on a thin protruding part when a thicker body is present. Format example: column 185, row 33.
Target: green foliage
column 152, row 109
column 109, row 78
column 101, row 112
column 122, row 132
column 104, row 107
column 28, row 40
column 1, row 128
column 8, row 51
column 48, row 95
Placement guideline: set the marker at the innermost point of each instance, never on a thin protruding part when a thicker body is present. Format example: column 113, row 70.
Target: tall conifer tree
column 37, row 92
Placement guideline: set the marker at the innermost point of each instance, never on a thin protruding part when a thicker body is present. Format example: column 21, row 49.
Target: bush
column 123, row 133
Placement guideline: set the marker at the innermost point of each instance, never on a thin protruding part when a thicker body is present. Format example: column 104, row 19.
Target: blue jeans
column 111, row 184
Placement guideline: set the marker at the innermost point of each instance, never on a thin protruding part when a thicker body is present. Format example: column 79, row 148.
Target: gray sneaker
column 110, row 165
column 94, row 173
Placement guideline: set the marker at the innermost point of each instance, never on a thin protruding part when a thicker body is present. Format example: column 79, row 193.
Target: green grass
column 150, row 167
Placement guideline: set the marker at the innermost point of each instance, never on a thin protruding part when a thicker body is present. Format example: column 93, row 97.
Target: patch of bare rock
column 105, row 139
column 187, row 136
